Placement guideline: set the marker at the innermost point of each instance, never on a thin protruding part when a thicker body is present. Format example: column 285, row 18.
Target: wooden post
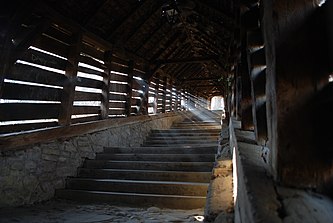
column 164, row 94
column 157, row 82
column 144, row 104
column 106, row 86
column 69, row 85
column 129, row 88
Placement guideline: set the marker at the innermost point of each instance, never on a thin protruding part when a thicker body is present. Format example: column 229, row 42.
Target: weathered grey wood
column 117, row 112
column 86, row 96
column 24, row 127
column 106, row 86
column 69, row 86
column 23, row 111
column 117, row 97
column 92, row 62
column 49, row 44
column 77, row 110
column 87, row 82
column 36, row 75
column 129, row 87
column 26, row 92
column 43, row 59
column 117, row 105
column 85, row 119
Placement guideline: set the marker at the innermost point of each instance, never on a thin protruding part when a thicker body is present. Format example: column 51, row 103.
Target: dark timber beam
column 227, row 19
column 72, row 26
column 129, row 88
column 116, row 33
column 69, row 85
column 186, row 60
column 201, row 79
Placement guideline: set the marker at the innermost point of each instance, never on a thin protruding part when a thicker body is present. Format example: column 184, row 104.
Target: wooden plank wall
column 67, row 77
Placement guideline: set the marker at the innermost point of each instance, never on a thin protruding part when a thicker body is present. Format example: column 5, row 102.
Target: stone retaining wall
column 31, row 173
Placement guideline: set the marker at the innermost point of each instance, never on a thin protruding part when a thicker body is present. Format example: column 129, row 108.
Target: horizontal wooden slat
column 48, row 44
column 92, row 62
column 87, row 49
column 136, row 85
column 26, row 92
column 119, row 60
column 121, row 78
column 23, row 111
column 117, row 112
column 85, row 119
column 86, row 96
column 47, row 60
column 135, row 102
column 58, row 34
column 91, row 71
column 119, row 68
column 79, row 110
column 86, row 82
column 117, row 97
column 117, row 105
column 24, row 127
column 134, row 110
column 32, row 74
column 136, row 94
column 118, row 88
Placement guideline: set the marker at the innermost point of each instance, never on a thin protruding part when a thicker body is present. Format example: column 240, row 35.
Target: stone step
column 150, row 165
column 189, row 141
column 196, row 124
column 138, row 199
column 182, row 138
column 195, row 149
column 139, row 186
column 182, row 131
column 157, row 157
column 185, row 134
column 156, row 175
column 202, row 128
column 185, row 145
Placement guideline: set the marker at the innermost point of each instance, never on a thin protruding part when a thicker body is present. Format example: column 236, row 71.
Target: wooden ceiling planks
column 136, row 26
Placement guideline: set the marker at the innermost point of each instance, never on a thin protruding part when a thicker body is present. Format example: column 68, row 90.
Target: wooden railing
column 66, row 75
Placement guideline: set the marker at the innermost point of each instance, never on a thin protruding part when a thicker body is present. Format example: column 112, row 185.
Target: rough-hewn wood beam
column 187, row 60
column 72, row 26
column 115, row 34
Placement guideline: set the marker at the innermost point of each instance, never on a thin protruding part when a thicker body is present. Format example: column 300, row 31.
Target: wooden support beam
column 227, row 20
column 164, row 94
column 129, row 88
column 250, row 19
column 69, row 85
column 89, row 37
column 157, row 82
column 123, row 26
column 171, row 40
column 201, row 79
column 154, row 8
column 106, row 86
column 15, row 44
column 186, row 60
column 151, row 35
column 254, row 39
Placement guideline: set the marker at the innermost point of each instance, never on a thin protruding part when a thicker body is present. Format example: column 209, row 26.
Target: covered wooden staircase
column 171, row 169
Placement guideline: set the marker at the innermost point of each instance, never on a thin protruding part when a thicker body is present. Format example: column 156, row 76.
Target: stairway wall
column 31, row 173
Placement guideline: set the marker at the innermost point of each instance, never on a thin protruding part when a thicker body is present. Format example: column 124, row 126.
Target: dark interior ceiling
column 193, row 50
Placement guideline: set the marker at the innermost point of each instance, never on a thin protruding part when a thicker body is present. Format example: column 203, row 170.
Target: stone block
column 50, row 157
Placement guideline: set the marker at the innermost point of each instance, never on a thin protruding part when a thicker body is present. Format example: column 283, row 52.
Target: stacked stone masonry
column 31, row 173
